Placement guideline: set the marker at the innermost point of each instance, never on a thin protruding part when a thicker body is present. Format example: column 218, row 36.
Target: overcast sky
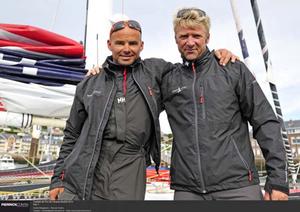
column 280, row 21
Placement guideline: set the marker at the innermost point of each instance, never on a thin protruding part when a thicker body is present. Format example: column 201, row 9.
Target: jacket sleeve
column 71, row 133
column 161, row 68
column 266, row 129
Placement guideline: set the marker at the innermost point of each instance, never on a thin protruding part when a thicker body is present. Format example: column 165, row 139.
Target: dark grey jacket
column 88, row 117
column 209, row 110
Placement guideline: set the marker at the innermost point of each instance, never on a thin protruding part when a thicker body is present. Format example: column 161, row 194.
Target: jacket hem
column 213, row 188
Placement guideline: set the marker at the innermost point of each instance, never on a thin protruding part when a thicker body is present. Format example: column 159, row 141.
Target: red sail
column 35, row 39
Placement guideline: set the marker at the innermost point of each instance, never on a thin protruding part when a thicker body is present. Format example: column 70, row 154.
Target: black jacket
column 209, row 110
column 89, row 114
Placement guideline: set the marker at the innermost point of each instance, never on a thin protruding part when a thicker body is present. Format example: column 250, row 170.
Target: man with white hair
column 209, row 107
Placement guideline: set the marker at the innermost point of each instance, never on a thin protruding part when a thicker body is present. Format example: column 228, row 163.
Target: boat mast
column 86, row 21
column 97, row 17
column 268, row 66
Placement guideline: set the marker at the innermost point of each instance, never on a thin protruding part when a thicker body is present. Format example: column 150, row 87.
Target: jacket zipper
column 250, row 176
column 196, row 128
column 125, row 81
column 152, row 113
column 90, row 163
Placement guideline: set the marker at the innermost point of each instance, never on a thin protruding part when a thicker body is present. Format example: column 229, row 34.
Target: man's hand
column 94, row 71
column 53, row 194
column 224, row 56
column 275, row 195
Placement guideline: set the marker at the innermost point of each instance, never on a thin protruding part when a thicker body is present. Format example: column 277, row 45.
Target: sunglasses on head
column 181, row 12
column 122, row 24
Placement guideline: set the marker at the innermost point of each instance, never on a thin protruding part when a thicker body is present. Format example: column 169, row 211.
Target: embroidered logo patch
column 121, row 100
column 179, row 89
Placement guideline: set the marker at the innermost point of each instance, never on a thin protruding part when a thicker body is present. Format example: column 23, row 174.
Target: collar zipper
column 124, row 81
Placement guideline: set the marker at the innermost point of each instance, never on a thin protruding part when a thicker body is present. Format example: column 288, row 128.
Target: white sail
column 98, row 26
column 36, row 99
column 23, row 120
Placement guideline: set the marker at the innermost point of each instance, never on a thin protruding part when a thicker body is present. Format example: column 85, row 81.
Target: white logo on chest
column 179, row 89
column 121, row 100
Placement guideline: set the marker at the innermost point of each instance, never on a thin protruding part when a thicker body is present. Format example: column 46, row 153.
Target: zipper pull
column 201, row 99
column 62, row 175
column 150, row 91
column 193, row 67
column 250, row 176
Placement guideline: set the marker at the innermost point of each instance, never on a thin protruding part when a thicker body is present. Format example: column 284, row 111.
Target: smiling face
column 125, row 45
column 191, row 41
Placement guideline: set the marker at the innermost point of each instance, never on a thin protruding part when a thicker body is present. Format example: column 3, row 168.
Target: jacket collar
column 199, row 61
column 113, row 67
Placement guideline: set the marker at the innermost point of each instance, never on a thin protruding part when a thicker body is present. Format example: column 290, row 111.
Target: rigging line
column 97, row 39
column 123, row 7
column 85, row 27
column 265, row 54
column 55, row 15
column 34, row 166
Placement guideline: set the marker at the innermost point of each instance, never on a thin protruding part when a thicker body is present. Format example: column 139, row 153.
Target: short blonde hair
column 191, row 17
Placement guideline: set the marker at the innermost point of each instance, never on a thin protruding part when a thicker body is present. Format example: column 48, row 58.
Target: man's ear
column 142, row 45
column 109, row 44
column 175, row 39
column 207, row 39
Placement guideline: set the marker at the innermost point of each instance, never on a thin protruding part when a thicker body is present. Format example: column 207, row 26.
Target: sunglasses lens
column 121, row 24
column 117, row 26
column 135, row 25
column 181, row 13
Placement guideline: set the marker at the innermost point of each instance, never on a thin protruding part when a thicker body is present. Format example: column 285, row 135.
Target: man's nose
column 126, row 48
column 190, row 41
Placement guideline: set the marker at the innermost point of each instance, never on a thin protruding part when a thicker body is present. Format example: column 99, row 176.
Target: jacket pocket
column 244, row 162
column 173, row 164
column 67, row 195
column 220, row 100
column 91, row 98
